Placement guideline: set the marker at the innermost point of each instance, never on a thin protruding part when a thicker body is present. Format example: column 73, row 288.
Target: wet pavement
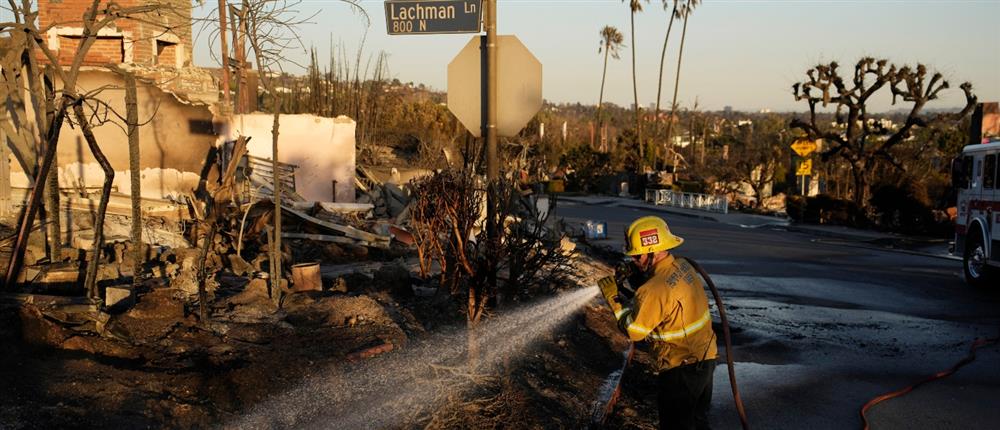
column 821, row 326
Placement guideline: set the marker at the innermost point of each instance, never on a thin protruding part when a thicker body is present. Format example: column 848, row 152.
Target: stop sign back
column 519, row 86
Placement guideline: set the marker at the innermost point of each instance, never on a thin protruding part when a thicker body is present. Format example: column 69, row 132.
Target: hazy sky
column 745, row 54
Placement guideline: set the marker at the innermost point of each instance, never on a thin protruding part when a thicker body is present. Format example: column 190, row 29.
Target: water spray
column 391, row 390
column 608, row 395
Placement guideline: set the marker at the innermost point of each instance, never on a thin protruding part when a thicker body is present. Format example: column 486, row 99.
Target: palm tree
column 636, row 6
column 674, row 15
column 684, row 11
column 611, row 41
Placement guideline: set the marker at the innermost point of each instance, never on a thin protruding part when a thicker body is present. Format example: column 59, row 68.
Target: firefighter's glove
column 609, row 288
column 624, row 271
column 626, row 276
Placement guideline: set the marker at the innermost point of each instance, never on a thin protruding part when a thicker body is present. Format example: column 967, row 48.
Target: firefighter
column 670, row 310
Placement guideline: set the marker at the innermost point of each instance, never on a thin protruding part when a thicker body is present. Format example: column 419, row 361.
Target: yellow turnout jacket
column 671, row 311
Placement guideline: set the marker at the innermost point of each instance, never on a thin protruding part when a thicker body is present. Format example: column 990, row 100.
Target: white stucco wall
column 322, row 148
column 175, row 138
column 154, row 183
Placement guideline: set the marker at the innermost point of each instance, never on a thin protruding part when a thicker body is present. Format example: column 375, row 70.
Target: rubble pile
column 390, row 200
column 180, row 260
column 203, row 330
column 179, row 368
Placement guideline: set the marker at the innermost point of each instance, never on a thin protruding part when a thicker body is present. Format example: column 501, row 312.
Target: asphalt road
column 821, row 328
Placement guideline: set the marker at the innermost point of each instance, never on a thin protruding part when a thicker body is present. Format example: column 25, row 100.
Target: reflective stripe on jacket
column 671, row 310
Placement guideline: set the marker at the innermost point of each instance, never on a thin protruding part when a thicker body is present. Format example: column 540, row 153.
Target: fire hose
column 729, row 342
column 976, row 344
column 610, row 393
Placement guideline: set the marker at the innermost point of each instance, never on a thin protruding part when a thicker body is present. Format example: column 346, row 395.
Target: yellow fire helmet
column 649, row 234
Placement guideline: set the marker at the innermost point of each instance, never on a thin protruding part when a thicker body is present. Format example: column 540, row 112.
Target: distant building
column 682, row 140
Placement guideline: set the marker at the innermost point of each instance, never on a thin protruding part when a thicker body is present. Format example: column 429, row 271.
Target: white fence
column 704, row 202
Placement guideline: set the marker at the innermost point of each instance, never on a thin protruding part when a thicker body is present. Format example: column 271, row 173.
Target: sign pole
column 804, row 185
column 490, row 126
column 490, row 101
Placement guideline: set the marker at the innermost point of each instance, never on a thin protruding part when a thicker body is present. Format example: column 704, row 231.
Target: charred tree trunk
column 42, row 101
column 34, row 199
column 53, row 226
column 276, row 244
column 860, row 184
column 90, row 282
column 202, row 274
column 132, row 115
column 472, row 321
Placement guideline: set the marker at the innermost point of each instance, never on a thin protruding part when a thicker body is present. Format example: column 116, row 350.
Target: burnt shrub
column 795, row 207
column 825, row 209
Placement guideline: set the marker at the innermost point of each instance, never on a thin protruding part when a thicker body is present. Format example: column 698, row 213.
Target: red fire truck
column 976, row 177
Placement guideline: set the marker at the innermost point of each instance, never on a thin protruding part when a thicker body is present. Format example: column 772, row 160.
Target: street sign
column 804, row 147
column 433, row 16
column 519, row 86
column 805, row 168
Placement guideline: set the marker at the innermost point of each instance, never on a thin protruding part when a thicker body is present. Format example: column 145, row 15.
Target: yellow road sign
column 804, row 147
column 805, row 168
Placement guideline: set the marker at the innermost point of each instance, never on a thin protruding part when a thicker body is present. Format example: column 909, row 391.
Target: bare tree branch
column 856, row 136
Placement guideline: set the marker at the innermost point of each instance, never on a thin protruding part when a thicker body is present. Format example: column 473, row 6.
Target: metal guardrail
column 703, row 202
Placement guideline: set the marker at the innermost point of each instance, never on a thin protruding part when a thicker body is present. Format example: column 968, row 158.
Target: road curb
column 585, row 202
column 828, row 233
column 630, row 205
column 897, row 250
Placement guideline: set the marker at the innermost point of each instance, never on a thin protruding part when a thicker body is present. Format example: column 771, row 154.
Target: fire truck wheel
column 977, row 272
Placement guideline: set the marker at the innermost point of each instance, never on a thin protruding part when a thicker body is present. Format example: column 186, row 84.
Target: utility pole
column 237, row 25
column 224, row 45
